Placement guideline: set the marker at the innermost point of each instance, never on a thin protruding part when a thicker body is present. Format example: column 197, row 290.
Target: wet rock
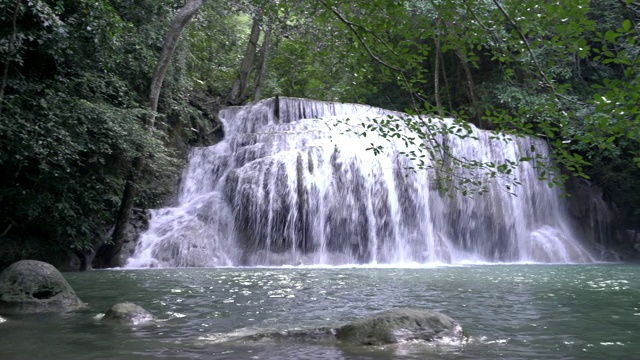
column 323, row 335
column 399, row 325
column 138, row 223
column 30, row 286
column 128, row 313
column 388, row 327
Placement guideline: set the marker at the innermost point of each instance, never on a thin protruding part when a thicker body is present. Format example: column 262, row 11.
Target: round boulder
column 399, row 325
column 128, row 313
column 30, row 286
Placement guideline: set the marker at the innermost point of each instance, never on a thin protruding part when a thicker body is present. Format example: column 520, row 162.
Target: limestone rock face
column 138, row 223
column 399, row 325
column 128, row 313
column 30, row 286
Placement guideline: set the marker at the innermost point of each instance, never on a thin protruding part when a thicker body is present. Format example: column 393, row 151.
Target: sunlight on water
column 508, row 311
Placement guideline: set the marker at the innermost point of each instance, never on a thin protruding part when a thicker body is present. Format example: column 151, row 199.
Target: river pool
column 508, row 311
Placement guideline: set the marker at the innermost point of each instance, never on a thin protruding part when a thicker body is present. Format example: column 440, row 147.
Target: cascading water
column 285, row 187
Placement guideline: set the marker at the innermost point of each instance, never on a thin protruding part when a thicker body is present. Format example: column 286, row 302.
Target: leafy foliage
column 75, row 78
column 71, row 122
column 526, row 68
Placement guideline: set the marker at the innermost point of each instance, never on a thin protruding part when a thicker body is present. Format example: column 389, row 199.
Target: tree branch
column 353, row 29
column 524, row 39
column 107, row 255
column 170, row 43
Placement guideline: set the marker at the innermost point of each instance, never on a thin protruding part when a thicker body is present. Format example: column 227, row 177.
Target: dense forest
column 101, row 99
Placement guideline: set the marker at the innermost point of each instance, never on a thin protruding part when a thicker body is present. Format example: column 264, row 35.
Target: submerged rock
column 399, row 325
column 30, row 286
column 385, row 328
column 128, row 313
column 322, row 335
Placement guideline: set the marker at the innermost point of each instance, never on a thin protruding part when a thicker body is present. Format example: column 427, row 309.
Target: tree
column 238, row 93
column 108, row 254
column 69, row 125
column 94, row 95
column 563, row 72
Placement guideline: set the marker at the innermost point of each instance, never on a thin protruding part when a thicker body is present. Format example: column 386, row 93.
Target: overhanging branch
column 352, row 27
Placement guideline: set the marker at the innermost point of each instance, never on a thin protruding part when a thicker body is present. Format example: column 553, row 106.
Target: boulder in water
column 128, row 313
column 399, row 325
column 385, row 328
column 30, row 286
column 318, row 335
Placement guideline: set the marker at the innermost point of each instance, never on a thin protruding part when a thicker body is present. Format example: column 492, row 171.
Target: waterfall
column 293, row 183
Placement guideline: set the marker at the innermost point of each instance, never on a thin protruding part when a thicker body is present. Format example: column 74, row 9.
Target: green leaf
column 611, row 36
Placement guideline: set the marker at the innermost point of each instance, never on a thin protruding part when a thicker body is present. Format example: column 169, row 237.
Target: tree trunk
column 7, row 60
column 238, row 92
column 108, row 254
column 468, row 75
column 262, row 69
column 170, row 43
column 446, row 81
column 436, row 74
column 471, row 87
column 464, row 62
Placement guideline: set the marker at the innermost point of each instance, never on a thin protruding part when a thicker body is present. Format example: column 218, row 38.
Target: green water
column 509, row 311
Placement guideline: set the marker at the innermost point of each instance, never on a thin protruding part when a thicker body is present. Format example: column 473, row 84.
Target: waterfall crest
column 286, row 186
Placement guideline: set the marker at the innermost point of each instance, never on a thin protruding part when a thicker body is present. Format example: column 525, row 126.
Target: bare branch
column 525, row 40
column 353, row 29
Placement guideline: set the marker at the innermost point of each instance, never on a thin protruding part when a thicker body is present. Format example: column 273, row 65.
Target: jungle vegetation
column 100, row 99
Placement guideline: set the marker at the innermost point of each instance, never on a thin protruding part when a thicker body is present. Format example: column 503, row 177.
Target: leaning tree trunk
column 239, row 89
column 170, row 43
column 261, row 72
column 108, row 254
column 436, row 73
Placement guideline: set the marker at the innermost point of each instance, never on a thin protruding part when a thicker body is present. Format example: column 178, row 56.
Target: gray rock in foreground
column 384, row 328
column 128, row 313
column 30, row 286
column 319, row 335
column 399, row 325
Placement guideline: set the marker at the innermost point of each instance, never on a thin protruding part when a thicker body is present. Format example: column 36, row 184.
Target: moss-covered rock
column 318, row 335
column 399, row 325
column 30, row 286
column 128, row 313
